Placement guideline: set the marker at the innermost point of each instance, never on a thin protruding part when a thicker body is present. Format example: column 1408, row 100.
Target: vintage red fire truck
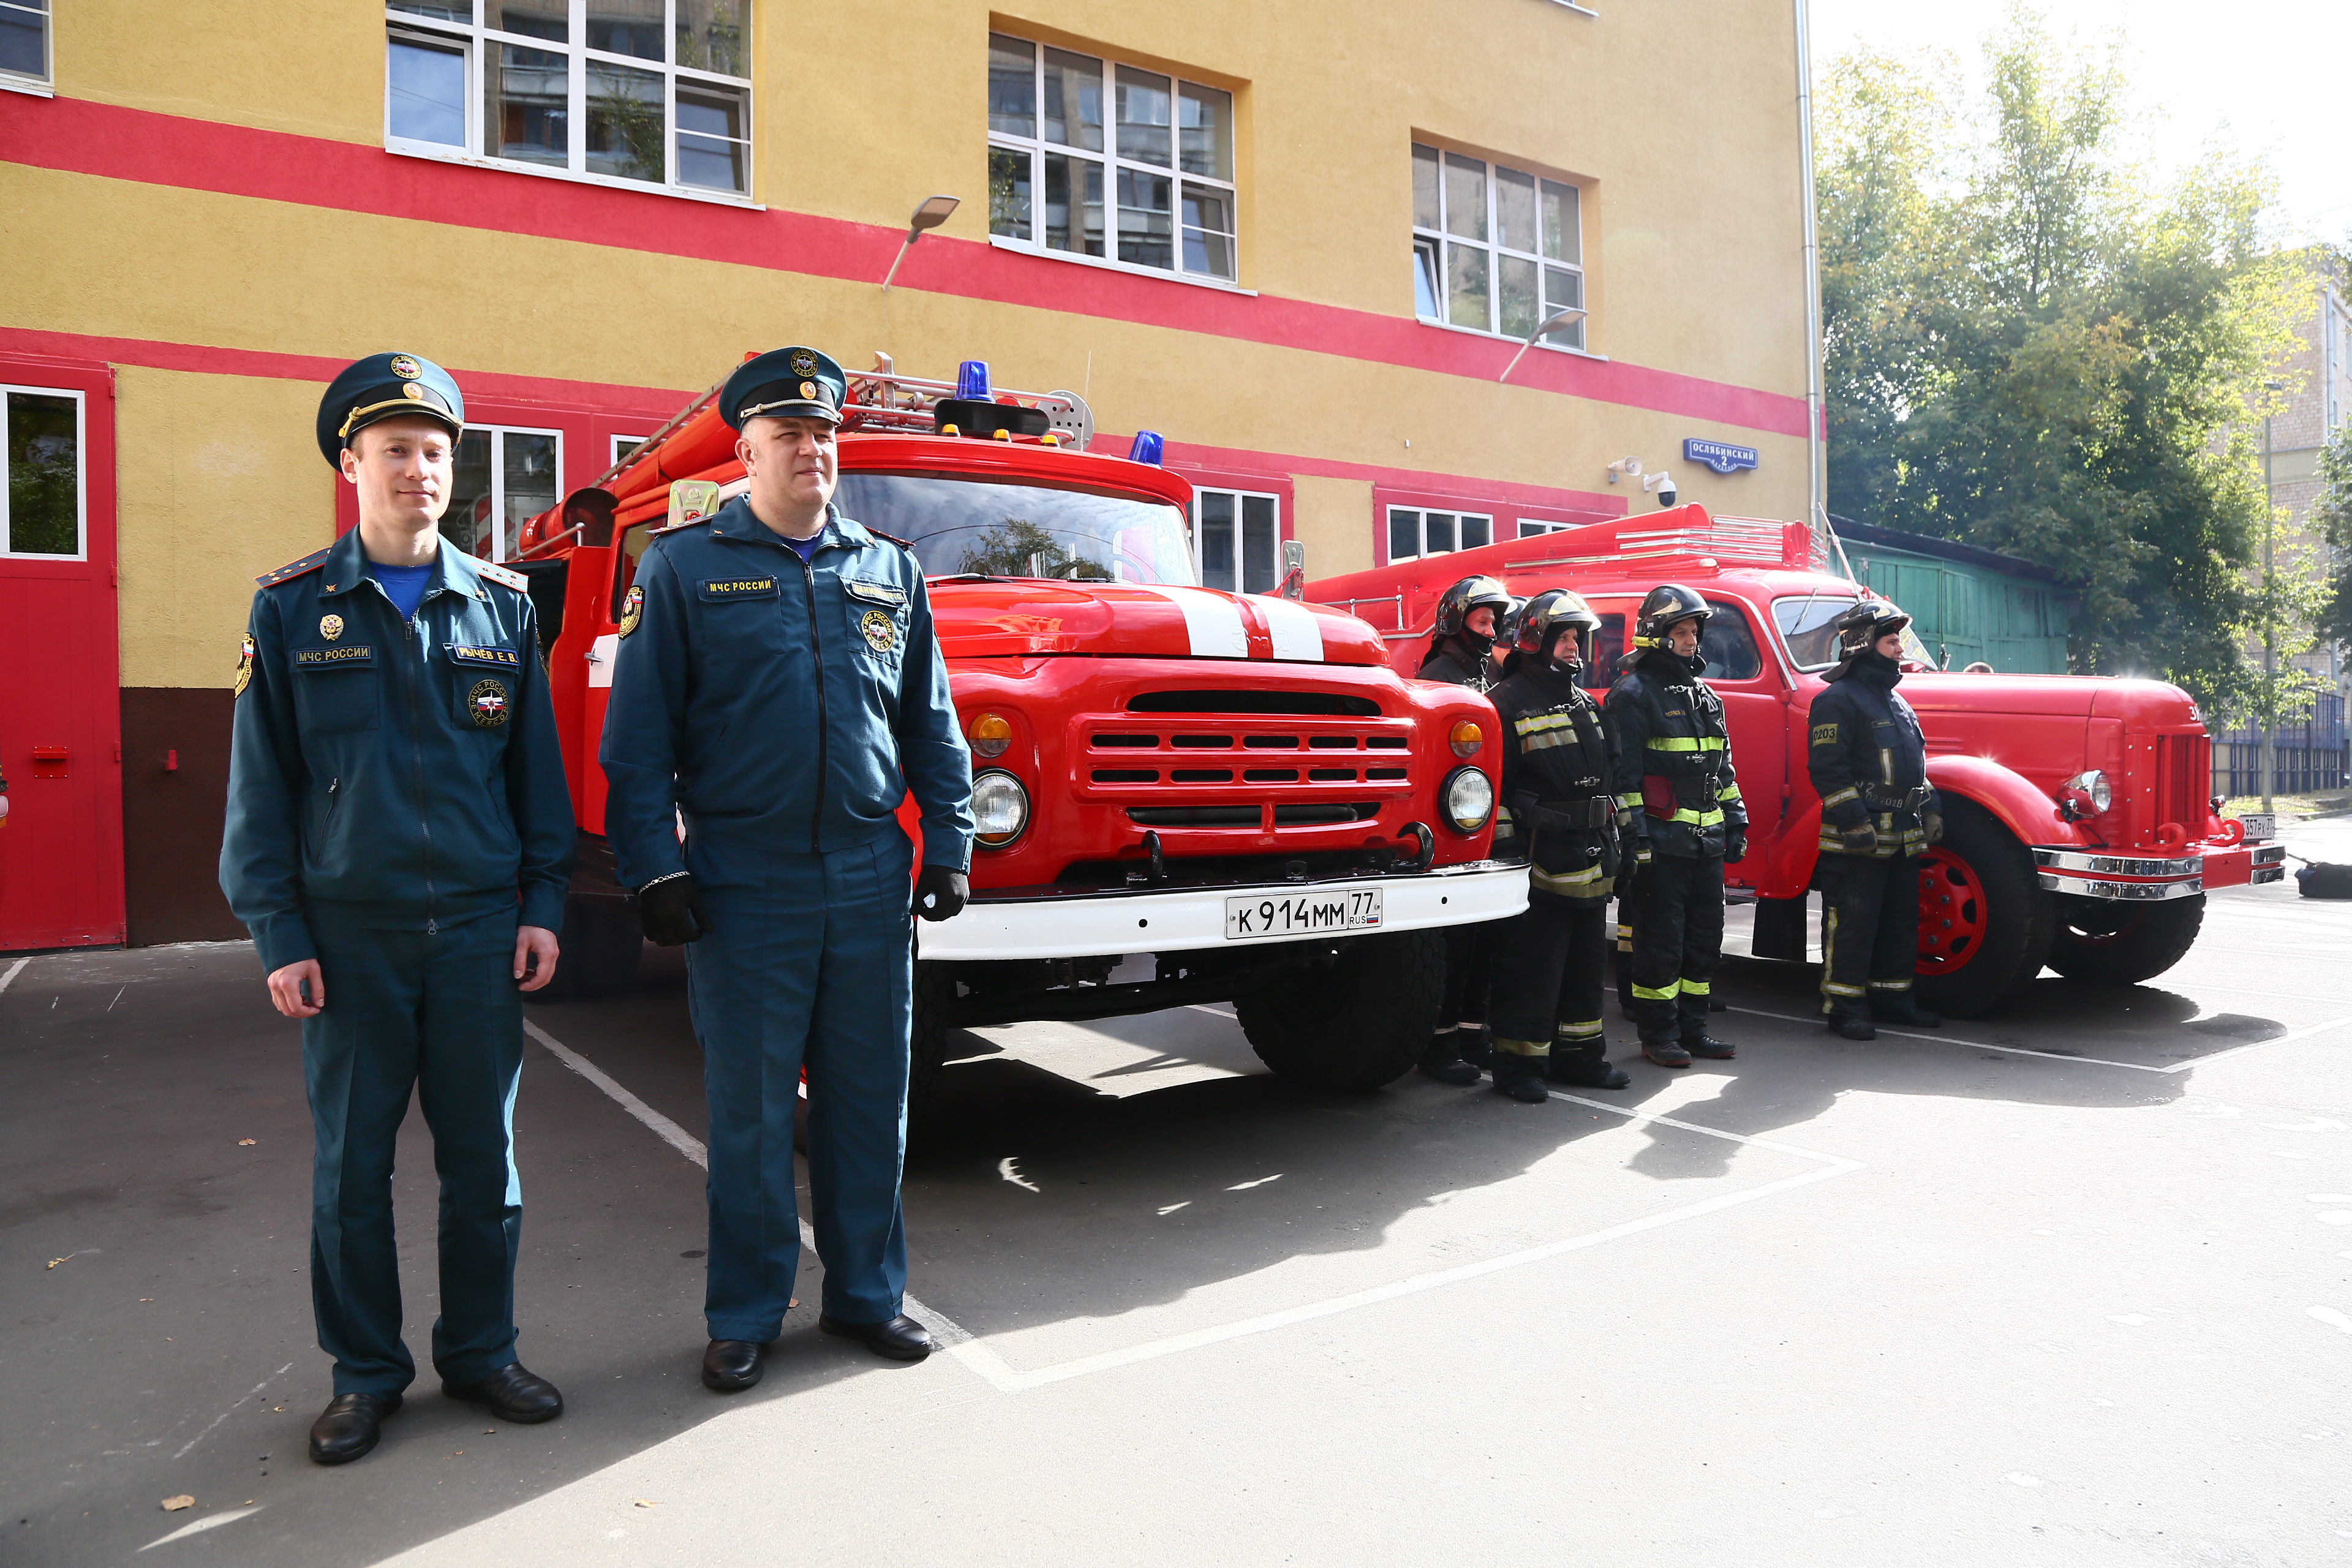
column 2080, row 829
column 1183, row 795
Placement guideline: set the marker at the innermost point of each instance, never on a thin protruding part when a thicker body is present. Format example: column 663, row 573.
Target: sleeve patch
column 244, row 664
column 1825, row 734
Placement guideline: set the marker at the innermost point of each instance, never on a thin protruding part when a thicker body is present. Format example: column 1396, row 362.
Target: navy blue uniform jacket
column 778, row 704
column 405, row 771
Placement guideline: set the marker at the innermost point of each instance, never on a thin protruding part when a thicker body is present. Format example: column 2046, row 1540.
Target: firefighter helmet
column 1470, row 593
column 1550, row 613
column 1860, row 628
column 1662, row 607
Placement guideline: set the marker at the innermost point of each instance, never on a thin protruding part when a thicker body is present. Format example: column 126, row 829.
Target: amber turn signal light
column 1467, row 738
column 991, row 734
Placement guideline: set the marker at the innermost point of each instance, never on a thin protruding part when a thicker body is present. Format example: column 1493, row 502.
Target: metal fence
column 2308, row 757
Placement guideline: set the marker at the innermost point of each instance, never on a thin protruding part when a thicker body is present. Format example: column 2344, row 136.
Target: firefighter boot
column 1708, row 1046
column 1851, row 1027
column 1443, row 1060
column 1667, row 1053
column 1521, row 1077
column 1902, row 1008
column 1585, row 1066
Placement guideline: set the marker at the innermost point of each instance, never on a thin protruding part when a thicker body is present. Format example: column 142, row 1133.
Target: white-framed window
column 645, row 93
column 41, row 488
column 1414, row 531
column 1238, row 540
column 1495, row 249
column 625, row 445
column 25, row 43
column 1529, row 527
column 504, row 477
column 1088, row 157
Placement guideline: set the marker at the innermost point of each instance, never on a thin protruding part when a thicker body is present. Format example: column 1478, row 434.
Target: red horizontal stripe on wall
column 149, row 148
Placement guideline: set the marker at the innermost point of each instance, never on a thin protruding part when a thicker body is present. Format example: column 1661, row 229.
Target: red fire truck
column 1183, row 795
column 2080, row 829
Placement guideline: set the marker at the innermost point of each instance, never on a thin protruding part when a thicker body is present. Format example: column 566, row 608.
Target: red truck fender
column 2011, row 798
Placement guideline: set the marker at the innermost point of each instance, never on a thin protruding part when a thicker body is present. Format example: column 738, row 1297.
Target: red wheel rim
column 1952, row 913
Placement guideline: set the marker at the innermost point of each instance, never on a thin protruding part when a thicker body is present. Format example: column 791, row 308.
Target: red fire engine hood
column 993, row 618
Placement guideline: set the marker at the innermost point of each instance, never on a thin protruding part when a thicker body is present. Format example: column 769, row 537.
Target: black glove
column 1735, row 845
column 1931, row 823
column 1636, row 847
column 940, row 893
column 1862, row 839
column 670, row 909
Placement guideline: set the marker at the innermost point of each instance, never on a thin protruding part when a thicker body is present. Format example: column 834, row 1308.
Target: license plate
column 1301, row 914
column 2261, row 826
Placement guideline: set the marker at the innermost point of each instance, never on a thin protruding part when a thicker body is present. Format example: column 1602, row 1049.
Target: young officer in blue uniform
column 398, row 841
column 779, row 687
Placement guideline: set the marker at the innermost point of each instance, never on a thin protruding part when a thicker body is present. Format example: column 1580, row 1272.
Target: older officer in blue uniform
column 398, row 841
column 779, row 687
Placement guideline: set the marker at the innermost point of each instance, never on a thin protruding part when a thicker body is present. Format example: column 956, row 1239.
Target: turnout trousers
column 1549, row 966
column 1469, row 955
column 1870, row 931
column 1677, row 939
column 809, row 961
column 436, row 1014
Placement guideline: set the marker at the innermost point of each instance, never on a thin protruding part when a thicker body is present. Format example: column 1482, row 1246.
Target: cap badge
column 411, row 390
column 632, row 609
column 881, row 633
column 244, row 666
column 808, row 390
column 331, row 627
column 802, row 362
column 405, row 368
column 487, row 704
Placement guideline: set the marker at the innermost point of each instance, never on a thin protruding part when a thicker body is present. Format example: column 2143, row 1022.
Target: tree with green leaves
column 2030, row 348
column 1019, row 548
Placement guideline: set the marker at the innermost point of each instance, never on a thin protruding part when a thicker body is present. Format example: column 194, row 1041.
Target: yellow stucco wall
column 1692, row 233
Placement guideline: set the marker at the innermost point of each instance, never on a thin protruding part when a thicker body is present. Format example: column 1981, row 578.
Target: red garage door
column 60, row 703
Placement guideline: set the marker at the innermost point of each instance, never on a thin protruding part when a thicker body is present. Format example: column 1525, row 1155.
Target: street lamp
column 1550, row 323
column 2268, row 754
column 930, row 215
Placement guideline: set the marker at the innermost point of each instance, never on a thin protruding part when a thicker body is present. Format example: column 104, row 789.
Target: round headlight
column 991, row 734
column 2101, row 793
column 1469, row 800
column 1000, row 810
column 1467, row 738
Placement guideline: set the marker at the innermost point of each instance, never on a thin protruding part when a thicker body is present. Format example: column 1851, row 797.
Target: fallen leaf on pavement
column 174, row 1504
column 246, row 1143
column 647, row 1502
column 55, row 1261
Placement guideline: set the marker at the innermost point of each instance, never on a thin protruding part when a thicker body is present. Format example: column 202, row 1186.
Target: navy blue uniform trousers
column 437, row 1015
column 809, row 960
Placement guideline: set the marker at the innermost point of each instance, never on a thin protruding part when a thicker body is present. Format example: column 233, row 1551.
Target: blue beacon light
column 1148, row 447
column 972, row 382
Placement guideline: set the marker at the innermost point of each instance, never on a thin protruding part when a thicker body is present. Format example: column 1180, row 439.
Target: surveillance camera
column 1661, row 485
column 1666, row 496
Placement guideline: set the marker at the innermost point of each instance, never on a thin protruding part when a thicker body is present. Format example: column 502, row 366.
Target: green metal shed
column 1966, row 602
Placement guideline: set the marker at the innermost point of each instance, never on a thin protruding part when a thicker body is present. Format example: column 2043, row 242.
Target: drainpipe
column 1817, row 511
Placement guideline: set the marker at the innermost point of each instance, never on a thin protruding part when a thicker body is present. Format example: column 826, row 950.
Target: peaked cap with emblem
column 793, row 382
column 386, row 386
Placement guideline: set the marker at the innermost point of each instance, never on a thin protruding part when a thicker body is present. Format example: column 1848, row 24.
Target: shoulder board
column 888, row 537
column 674, row 527
column 293, row 569
column 491, row 571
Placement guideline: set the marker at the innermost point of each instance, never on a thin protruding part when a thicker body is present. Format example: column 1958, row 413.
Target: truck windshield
column 966, row 525
column 1809, row 626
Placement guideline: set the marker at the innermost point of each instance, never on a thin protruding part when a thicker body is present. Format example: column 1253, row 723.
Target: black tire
column 2122, row 944
column 2002, row 918
column 934, row 1023
column 601, row 943
column 1355, row 1022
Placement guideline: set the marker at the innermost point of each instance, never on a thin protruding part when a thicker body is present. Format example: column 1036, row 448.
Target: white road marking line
column 2290, row 1037
column 210, row 1521
column 2286, row 1039
column 225, row 1415
column 944, row 1330
column 14, row 970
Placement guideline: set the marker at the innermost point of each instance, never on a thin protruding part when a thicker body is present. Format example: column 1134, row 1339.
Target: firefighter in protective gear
column 1680, row 812
column 1462, row 653
column 1869, row 762
column 1558, row 813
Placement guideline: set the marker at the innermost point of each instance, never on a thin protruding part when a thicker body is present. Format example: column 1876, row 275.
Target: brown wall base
column 171, row 819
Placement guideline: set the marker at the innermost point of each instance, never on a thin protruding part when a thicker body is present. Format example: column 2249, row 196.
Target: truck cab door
column 1755, row 709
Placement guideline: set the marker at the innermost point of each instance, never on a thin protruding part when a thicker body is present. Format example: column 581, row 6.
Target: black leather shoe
column 900, row 1339
column 1586, row 1072
column 1710, row 1047
column 1667, row 1053
column 513, row 1393
column 731, row 1366
column 346, row 1429
column 1853, row 1028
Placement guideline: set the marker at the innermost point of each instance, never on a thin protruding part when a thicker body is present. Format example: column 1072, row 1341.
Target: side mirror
column 1293, row 568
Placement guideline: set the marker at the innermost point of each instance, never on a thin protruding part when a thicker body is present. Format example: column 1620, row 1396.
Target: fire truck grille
column 2184, row 776
column 1337, row 704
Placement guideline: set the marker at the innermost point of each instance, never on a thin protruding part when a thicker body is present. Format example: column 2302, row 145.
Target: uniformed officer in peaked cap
column 780, row 690
column 398, row 841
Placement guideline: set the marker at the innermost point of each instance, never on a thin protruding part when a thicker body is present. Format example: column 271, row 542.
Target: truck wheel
column 1985, row 924
column 601, row 943
column 1356, row 1022
column 934, row 1022
column 2119, row 943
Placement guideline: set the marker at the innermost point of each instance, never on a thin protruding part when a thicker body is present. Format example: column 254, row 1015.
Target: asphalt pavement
column 2070, row 1284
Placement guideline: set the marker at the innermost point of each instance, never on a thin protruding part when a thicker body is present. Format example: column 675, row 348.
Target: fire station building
column 1305, row 242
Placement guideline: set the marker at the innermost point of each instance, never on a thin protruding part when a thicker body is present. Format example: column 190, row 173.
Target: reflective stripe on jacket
column 1868, row 759
column 1672, row 755
column 1556, row 760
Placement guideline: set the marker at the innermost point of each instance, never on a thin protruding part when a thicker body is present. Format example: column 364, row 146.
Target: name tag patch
column 874, row 592
column 720, row 589
column 333, row 658
column 495, row 658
